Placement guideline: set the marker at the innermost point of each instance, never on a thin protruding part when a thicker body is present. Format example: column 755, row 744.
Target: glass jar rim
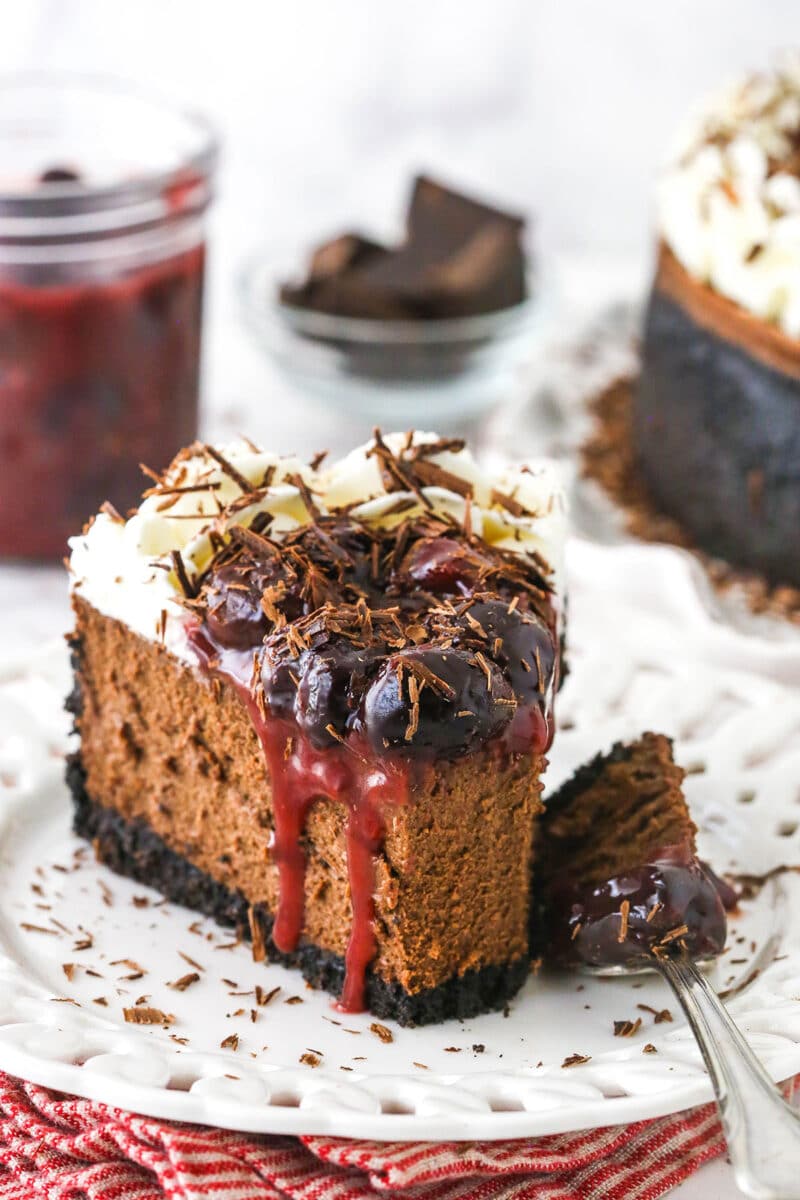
column 178, row 185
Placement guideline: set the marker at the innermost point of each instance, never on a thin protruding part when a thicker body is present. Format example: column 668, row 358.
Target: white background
column 560, row 109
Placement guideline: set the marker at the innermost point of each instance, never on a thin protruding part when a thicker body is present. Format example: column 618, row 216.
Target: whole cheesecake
column 315, row 702
column 716, row 413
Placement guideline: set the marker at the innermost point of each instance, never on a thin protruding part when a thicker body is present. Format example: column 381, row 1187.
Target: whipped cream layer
column 729, row 202
column 126, row 568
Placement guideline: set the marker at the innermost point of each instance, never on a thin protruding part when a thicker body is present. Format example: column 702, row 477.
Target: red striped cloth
column 63, row 1148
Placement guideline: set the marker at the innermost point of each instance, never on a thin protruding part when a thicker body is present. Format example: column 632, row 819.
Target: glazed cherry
column 460, row 710
column 443, row 566
column 236, row 617
column 671, row 892
column 331, row 681
column 525, row 650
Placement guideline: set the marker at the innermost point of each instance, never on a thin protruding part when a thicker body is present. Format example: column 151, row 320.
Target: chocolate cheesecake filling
column 363, row 655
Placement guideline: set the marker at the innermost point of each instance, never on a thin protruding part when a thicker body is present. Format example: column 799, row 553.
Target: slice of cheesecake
column 617, row 870
column 315, row 704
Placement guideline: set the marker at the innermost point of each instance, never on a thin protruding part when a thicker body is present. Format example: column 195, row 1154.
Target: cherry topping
column 459, row 702
column 674, row 894
column 328, row 694
column 522, row 645
column 444, row 566
column 236, row 617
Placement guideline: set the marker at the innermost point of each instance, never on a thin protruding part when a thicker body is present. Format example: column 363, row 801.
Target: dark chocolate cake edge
column 133, row 849
column 589, row 772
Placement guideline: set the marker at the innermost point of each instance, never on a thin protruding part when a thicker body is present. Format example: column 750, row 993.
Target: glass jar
column 103, row 196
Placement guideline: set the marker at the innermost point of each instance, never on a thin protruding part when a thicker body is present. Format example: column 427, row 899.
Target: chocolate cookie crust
column 716, row 425
column 131, row 848
column 608, row 456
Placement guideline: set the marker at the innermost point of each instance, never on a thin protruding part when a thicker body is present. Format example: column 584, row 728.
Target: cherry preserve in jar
column 103, row 196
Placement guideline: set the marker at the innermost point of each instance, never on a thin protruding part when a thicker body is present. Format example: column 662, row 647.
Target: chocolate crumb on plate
column 660, row 1015
column 185, row 981
column 575, row 1060
column 263, row 998
column 627, row 1028
column 191, row 962
column 145, row 1015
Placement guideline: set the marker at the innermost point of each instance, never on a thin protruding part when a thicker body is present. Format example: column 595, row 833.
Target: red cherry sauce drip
column 300, row 774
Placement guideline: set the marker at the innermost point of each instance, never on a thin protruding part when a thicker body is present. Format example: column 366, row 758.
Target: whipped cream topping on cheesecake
column 129, row 569
column 729, row 202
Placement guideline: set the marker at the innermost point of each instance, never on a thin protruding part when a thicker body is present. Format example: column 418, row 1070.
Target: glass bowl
column 401, row 371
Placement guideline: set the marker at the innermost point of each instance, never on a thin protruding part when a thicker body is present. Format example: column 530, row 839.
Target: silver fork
column 761, row 1129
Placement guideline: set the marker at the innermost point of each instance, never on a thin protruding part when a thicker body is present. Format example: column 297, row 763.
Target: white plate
column 637, row 662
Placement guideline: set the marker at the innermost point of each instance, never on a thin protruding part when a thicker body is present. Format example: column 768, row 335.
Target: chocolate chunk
column 460, row 258
column 328, row 263
column 59, row 175
column 440, row 216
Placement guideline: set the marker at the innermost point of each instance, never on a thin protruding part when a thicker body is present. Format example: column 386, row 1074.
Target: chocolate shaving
column 429, row 474
column 185, row 981
column 192, row 963
column 624, row 912
column 108, row 508
column 396, row 475
column 229, row 469
column 575, row 1060
column 660, row 1015
column 305, row 494
column 674, row 934
column 263, row 998
column 512, row 506
column 145, row 1015
column 382, row 1032
column 256, row 935
column 187, row 587
column 627, row 1028
column 261, row 546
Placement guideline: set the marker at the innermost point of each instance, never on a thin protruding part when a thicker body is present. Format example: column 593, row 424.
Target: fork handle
column 761, row 1129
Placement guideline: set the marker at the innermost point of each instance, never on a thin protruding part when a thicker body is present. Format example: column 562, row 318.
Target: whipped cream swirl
column 126, row 568
column 729, row 202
